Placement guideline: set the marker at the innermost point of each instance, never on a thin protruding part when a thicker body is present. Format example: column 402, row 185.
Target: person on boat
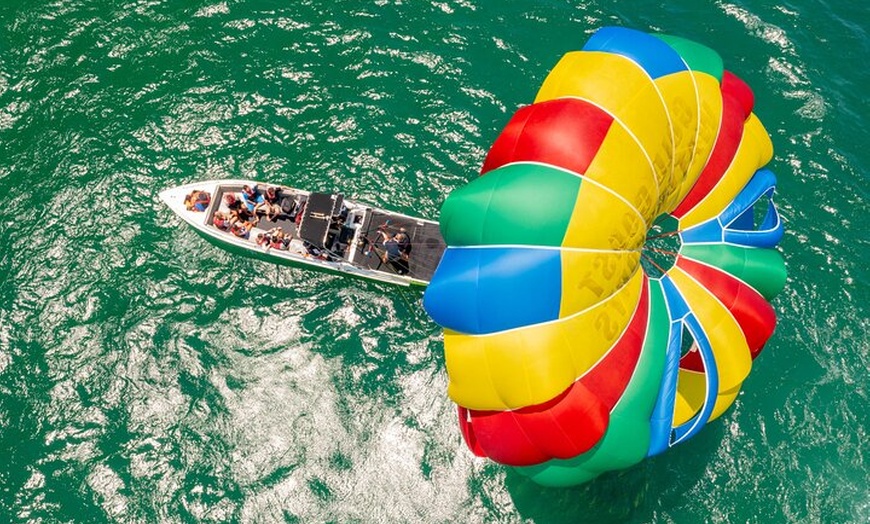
column 251, row 196
column 404, row 244
column 221, row 220
column 241, row 229
column 277, row 239
column 262, row 239
column 242, row 214
column 393, row 253
column 197, row 200
column 232, row 203
column 269, row 205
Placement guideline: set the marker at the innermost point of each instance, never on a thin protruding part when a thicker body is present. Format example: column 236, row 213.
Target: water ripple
column 146, row 375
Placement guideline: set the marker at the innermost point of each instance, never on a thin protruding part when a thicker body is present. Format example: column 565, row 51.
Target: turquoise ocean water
column 148, row 376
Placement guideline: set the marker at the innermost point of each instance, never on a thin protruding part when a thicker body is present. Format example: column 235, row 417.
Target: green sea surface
column 149, row 376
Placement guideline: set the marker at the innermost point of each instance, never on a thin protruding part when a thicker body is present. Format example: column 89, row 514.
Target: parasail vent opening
column 662, row 245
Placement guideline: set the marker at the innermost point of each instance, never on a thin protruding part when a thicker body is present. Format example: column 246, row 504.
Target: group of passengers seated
column 241, row 212
column 237, row 219
column 197, row 200
column 275, row 238
column 267, row 204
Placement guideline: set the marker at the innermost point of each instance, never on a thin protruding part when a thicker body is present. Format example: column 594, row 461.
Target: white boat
column 323, row 230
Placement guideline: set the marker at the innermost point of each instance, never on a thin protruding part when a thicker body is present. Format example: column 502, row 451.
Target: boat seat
column 289, row 205
column 292, row 205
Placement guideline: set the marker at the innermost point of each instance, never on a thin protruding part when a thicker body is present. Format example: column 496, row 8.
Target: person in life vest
column 232, row 203
column 197, row 200
column 221, row 220
column 278, row 239
column 241, row 229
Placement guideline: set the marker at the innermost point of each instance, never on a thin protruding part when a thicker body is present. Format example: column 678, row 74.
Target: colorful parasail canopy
column 607, row 277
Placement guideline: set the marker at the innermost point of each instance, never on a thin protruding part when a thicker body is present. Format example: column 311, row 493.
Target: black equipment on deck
column 317, row 217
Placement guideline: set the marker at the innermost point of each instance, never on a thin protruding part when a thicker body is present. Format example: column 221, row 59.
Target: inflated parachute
column 606, row 282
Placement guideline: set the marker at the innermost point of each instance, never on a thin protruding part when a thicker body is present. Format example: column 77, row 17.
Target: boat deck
column 427, row 244
column 285, row 222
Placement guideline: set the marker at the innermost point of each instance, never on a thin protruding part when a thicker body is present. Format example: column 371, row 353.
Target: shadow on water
column 635, row 494
column 367, row 327
column 611, row 498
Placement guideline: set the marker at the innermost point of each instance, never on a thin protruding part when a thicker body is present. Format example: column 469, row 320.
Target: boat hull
column 361, row 259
